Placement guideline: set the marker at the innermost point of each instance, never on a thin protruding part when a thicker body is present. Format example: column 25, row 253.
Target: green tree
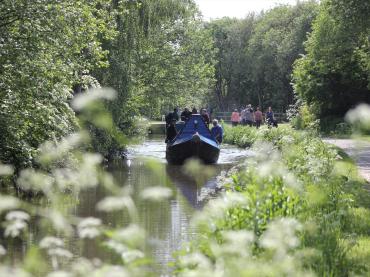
column 256, row 54
column 276, row 43
column 334, row 75
column 161, row 57
column 232, row 72
column 45, row 47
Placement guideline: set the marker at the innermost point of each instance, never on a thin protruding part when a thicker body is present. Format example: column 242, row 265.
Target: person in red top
column 235, row 118
column 258, row 117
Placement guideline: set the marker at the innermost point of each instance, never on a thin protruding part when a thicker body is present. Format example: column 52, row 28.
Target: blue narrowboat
column 194, row 140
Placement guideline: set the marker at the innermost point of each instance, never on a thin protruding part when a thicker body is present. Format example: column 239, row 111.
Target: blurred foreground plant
column 289, row 211
column 67, row 168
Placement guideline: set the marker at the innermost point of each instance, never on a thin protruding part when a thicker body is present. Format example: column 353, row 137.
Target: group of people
column 186, row 114
column 250, row 117
column 173, row 117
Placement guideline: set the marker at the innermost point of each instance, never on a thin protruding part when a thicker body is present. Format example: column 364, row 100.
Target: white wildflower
column 236, row 243
column 281, row 235
column 88, row 233
column 14, row 228
column 60, row 252
column 51, row 242
column 88, row 228
column 65, row 178
column 238, row 239
column 132, row 255
column 114, row 203
column 59, row 222
column 88, row 174
column 117, row 247
column 156, row 193
column 90, row 222
column 82, row 100
column 82, row 267
column 16, row 223
column 287, row 139
column 8, row 203
column 132, row 235
column 196, row 260
column 17, row 215
column 360, row 115
column 30, row 179
column 51, row 151
column 2, row 250
column 6, row 169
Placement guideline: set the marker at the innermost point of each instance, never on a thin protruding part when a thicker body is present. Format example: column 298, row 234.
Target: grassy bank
column 298, row 208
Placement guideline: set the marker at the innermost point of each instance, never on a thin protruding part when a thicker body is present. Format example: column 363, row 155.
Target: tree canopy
column 255, row 55
column 160, row 54
column 334, row 75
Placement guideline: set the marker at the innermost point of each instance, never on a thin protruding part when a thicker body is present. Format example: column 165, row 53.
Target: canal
column 167, row 223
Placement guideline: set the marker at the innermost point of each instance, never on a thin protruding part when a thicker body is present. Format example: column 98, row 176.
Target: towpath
column 357, row 150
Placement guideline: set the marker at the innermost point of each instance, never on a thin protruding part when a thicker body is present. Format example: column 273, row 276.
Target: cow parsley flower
column 8, row 203
column 83, row 100
column 6, row 169
column 60, row 252
column 132, row 235
column 17, row 215
column 360, row 116
column 114, row 203
column 156, row 193
column 2, row 250
column 51, row 242
column 132, row 255
column 16, row 223
column 281, row 235
column 88, row 228
column 15, row 228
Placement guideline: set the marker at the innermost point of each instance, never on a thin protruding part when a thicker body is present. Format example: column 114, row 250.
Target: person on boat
column 258, row 117
column 171, row 116
column 217, row 131
column 185, row 115
column 270, row 118
column 194, row 110
column 171, row 131
column 205, row 117
column 235, row 118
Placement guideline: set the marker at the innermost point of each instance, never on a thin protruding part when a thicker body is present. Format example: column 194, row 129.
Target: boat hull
column 177, row 154
column 193, row 141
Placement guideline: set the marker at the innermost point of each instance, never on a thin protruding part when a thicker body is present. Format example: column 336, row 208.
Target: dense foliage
column 161, row 57
column 296, row 208
column 154, row 54
column 256, row 55
column 45, row 47
column 334, row 75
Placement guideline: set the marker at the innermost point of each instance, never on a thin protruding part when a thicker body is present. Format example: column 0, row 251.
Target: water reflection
column 167, row 223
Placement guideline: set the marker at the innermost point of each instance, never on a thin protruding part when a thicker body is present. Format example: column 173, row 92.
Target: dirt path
column 358, row 150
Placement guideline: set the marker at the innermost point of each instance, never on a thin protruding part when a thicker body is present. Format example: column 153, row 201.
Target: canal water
column 167, row 224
